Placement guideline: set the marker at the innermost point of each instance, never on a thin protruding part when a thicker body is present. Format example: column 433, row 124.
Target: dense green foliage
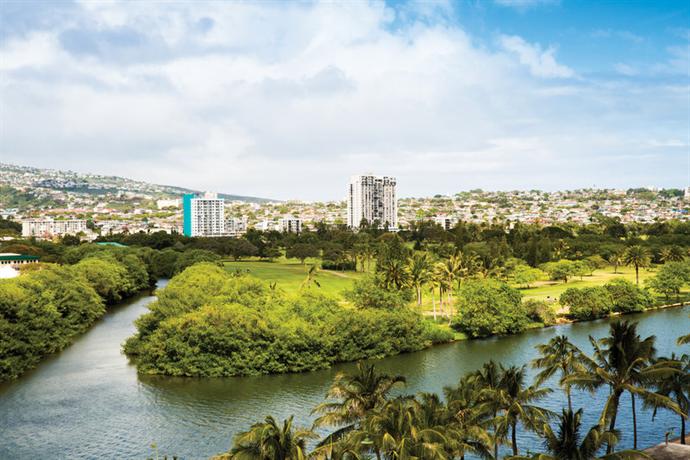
column 490, row 308
column 617, row 296
column 208, row 322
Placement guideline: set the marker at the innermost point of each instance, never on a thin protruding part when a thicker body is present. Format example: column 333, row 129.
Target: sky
column 286, row 100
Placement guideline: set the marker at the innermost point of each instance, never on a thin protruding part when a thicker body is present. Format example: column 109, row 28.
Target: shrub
column 540, row 311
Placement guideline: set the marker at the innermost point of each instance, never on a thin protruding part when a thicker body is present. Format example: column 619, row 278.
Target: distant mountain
column 26, row 177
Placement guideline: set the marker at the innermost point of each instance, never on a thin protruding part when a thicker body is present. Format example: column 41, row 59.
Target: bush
column 626, row 297
column 489, row 307
column 540, row 311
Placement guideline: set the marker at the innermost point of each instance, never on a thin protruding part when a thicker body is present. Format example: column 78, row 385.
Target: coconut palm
column 616, row 259
column 516, row 403
column 394, row 274
column 396, row 431
column 560, row 356
column 270, row 441
column 489, row 379
column 672, row 254
column 677, row 387
column 466, row 421
column 637, row 256
column 567, row 443
column 621, row 361
column 683, row 339
column 355, row 394
column 419, row 269
column 451, row 271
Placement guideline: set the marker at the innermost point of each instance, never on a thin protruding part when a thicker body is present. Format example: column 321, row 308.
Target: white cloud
column 541, row 62
column 625, row 69
column 288, row 100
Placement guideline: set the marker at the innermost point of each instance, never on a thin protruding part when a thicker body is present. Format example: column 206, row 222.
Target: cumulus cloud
column 288, row 100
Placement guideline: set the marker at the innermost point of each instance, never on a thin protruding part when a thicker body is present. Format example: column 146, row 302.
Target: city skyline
column 445, row 96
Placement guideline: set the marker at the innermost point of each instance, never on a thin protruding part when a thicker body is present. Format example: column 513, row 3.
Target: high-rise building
column 48, row 228
column 372, row 198
column 203, row 216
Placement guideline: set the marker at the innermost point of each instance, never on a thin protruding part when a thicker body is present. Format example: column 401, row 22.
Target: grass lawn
column 289, row 274
column 553, row 289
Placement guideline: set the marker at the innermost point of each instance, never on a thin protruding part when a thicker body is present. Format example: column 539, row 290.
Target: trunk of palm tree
column 682, row 429
column 612, row 423
column 514, row 438
column 433, row 301
column 637, row 274
column 570, row 402
column 634, row 422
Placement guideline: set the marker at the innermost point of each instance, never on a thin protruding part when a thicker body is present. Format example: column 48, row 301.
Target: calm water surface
column 88, row 402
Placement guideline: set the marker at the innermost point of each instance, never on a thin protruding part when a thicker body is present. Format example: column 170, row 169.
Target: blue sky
column 287, row 99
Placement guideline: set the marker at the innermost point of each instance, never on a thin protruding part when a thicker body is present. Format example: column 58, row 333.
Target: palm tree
column 355, row 394
column 394, row 274
column 466, row 422
column 621, row 361
column 637, row 256
column 676, row 386
column 672, row 254
column 515, row 401
column 397, row 431
column 450, row 271
column 489, row 379
column 616, row 259
column 311, row 278
column 419, row 269
column 270, row 441
column 683, row 339
column 559, row 355
column 567, row 444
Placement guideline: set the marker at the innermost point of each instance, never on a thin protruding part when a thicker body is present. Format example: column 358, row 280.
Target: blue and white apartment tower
column 203, row 215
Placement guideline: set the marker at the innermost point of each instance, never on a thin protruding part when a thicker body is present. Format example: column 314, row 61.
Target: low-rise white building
column 291, row 224
column 48, row 228
column 236, row 226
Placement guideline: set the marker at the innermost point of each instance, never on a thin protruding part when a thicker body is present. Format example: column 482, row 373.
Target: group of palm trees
column 442, row 276
column 486, row 409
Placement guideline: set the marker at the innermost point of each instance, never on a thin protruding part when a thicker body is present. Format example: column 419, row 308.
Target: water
column 88, row 402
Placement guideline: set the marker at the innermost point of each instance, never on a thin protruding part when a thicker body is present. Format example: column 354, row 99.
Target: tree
column 587, row 303
column 616, row 259
column 488, row 381
column 568, row 444
column 270, row 441
column 560, row 270
column 419, row 269
column 670, row 278
column 558, row 356
column 368, row 293
column 301, row 251
column 489, row 307
column 621, row 361
column 637, row 256
column 516, row 403
column 355, row 395
column 524, row 275
column 672, row 254
column 394, row 274
column 241, row 247
column 676, row 386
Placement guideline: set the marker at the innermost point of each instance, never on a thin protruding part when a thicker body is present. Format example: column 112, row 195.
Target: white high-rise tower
column 372, row 198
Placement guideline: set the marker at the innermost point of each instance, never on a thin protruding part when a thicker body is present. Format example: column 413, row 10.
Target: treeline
column 494, row 244
column 208, row 322
column 488, row 410
column 45, row 309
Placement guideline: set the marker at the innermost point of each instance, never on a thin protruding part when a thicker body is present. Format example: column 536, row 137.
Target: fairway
column 290, row 275
column 553, row 289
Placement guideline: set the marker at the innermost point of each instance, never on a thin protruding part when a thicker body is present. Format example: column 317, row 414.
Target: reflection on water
column 88, row 402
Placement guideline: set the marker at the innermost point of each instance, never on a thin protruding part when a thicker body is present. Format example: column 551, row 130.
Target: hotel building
column 48, row 228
